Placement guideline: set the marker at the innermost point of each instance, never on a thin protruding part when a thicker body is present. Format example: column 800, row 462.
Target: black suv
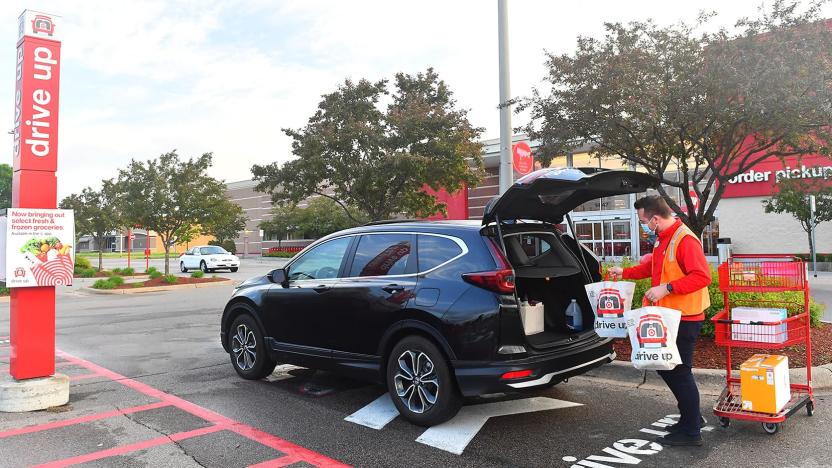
column 436, row 310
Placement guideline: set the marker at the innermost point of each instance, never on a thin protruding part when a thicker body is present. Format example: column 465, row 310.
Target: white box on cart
column 759, row 333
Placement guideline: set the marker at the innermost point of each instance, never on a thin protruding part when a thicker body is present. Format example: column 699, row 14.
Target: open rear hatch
column 551, row 267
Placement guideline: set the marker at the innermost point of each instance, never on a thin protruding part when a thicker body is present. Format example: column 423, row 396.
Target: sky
column 139, row 79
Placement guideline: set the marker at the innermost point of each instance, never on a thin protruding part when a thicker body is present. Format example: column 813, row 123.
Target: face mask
column 651, row 233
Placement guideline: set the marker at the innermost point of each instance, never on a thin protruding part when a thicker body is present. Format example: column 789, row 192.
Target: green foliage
column 150, row 270
column 5, row 186
column 718, row 302
column 138, row 285
column 170, row 279
column 129, row 271
column 715, row 103
column 197, row 274
column 116, row 271
column 280, row 254
column 226, row 221
column 97, row 213
column 116, row 280
column 103, row 284
column 822, row 257
column 155, row 274
column 82, row 262
column 87, row 273
column 378, row 160
column 171, row 196
column 319, row 218
column 4, row 291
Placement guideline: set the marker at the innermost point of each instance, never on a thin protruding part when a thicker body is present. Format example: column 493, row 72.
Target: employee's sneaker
column 679, row 439
column 673, row 428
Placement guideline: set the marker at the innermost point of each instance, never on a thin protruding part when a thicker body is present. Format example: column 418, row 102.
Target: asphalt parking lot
column 151, row 386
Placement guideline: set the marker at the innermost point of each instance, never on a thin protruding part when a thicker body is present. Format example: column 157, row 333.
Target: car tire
column 182, row 267
column 234, row 270
column 248, row 349
column 204, row 267
column 417, row 372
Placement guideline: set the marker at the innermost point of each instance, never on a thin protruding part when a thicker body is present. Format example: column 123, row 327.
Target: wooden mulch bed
column 710, row 356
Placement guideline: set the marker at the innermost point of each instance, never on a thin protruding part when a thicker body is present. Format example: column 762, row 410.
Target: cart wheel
column 724, row 422
column 810, row 408
column 771, row 428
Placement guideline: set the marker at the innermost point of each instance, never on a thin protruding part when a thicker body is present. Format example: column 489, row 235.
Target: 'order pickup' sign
column 36, row 247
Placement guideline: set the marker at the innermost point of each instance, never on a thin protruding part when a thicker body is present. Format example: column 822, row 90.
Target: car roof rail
column 393, row 221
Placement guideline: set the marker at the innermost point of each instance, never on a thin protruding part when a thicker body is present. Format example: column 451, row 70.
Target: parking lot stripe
column 122, row 449
column 377, row 414
column 264, row 438
column 82, row 419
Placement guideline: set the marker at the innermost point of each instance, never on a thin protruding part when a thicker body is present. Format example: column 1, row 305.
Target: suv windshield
column 212, row 250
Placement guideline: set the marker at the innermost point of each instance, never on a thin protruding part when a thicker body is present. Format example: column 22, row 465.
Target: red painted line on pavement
column 276, row 463
column 122, row 449
column 82, row 419
column 264, row 438
column 73, row 378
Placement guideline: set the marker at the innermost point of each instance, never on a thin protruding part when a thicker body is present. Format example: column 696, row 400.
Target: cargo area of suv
column 548, row 270
column 549, row 266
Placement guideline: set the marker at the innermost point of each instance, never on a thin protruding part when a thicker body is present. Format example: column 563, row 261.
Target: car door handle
column 322, row 288
column 393, row 288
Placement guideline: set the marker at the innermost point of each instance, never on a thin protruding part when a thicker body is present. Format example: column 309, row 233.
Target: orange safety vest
column 689, row 304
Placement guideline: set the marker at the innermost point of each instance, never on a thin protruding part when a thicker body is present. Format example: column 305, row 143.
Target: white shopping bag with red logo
column 609, row 301
column 653, row 331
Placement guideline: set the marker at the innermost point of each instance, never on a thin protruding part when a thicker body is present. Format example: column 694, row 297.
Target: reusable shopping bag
column 653, row 331
column 609, row 301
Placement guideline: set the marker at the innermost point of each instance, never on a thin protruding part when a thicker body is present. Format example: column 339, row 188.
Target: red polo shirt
column 691, row 260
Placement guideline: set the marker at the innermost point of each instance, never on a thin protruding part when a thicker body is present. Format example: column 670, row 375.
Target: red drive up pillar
column 34, row 185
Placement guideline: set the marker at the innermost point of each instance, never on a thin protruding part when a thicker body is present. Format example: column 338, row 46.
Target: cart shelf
column 761, row 335
column 762, row 273
column 729, row 405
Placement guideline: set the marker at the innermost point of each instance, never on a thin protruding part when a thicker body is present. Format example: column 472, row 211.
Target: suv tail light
column 500, row 280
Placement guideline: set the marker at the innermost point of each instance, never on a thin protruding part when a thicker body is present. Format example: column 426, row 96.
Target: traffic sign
column 522, row 157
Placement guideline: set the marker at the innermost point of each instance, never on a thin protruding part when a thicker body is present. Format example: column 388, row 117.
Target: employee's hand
column 616, row 273
column 656, row 293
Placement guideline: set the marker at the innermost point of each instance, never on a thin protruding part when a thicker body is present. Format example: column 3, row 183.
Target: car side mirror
column 278, row 276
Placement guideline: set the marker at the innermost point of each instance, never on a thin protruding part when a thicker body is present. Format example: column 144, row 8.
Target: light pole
column 506, row 169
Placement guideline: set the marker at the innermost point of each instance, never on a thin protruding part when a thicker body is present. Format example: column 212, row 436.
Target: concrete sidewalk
column 710, row 381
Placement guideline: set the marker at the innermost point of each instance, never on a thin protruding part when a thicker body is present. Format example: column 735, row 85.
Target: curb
column 159, row 288
column 710, row 381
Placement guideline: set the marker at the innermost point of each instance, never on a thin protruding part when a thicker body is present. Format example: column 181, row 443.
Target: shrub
column 103, row 284
column 116, row 280
column 86, row 273
column 230, row 246
column 197, row 274
column 280, row 254
column 155, row 274
column 82, row 262
column 171, row 279
column 129, row 271
column 116, row 271
column 4, row 291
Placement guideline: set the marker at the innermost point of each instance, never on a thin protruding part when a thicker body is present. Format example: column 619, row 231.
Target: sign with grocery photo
column 37, row 248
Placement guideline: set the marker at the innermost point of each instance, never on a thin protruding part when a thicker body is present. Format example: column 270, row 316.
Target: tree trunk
column 100, row 240
column 167, row 259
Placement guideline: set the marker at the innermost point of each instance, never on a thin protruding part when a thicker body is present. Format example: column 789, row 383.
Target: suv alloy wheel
column 420, row 383
column 248, row 352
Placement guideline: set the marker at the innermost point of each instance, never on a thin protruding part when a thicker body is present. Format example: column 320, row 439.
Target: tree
column 322, row 216
column 170, row 196
column 378, row 161
column 226, row 222
column 5, row 186
column 712, row 104
column 97, row 214
column 792, row 197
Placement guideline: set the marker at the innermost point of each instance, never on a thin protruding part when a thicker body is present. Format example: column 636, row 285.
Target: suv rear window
column 382, row 255
column 435, row 250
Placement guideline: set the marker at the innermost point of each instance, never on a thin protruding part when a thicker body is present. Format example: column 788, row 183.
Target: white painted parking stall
column 454, row 435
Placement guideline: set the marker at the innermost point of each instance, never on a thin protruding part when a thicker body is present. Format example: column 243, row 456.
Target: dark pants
column 680, row 379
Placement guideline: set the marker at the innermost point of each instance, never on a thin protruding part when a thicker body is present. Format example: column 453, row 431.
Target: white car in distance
column 208, row 258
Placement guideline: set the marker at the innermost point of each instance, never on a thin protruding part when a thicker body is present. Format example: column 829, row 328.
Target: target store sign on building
column 36, row 249
column 37, row 73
